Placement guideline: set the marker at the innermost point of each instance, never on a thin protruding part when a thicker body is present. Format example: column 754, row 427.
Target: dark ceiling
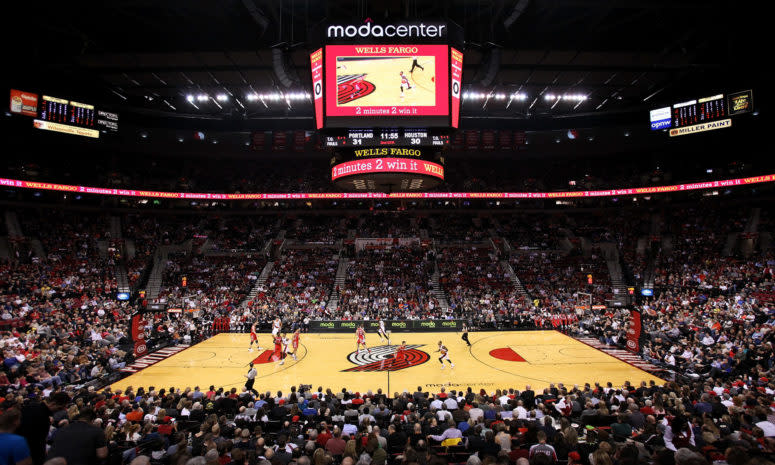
column 143, row 57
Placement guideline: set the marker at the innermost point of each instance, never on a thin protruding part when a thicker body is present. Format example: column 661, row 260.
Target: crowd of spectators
column 388, row 283
column 710, row 323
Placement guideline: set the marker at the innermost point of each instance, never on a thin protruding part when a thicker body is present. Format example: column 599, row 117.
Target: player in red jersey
column 404, row 83
column 401, row 351
column 295, row 343
column 279, row 353
column 253, row 338
column 358, row 85
column 360, row 335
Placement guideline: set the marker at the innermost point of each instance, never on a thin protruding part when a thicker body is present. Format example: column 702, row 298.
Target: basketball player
column 253, row 338
column 357, row 85
column 360, row 335
column 279, row 353
column 383, row 336
column 444, row 356
column 401, row 351
column 295, row 343
column 415, row 65
column 276, row 325
column 404, row 82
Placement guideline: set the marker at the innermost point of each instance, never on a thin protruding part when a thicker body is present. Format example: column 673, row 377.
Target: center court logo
column 382, row 358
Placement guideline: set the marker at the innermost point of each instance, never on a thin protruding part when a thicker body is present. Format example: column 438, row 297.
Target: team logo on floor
column 382, row 358
column 506, row 353
column 352, row 87
column 267, row 356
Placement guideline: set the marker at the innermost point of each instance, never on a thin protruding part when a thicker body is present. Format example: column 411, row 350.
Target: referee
column 465, row 334
column 251, row 376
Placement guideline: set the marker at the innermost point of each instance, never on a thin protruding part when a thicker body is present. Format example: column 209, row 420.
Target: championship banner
column 634, row 331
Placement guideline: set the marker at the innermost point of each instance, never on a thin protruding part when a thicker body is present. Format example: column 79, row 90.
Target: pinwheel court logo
column 384, row 358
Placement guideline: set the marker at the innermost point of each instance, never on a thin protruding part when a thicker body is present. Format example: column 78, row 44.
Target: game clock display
column 399, row 137
column 387, row 84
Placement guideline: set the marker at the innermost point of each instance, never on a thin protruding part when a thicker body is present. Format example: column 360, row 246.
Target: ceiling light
column 222, row 97
column 189, row 98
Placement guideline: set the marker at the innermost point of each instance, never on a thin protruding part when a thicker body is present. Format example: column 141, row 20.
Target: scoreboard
column 378, row 137
column 63, row 115
column 699, row 111
column 386, row 98
column 701, row 114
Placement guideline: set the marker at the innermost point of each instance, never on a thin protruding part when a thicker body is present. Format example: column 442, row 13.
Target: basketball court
column 377, row 82
column 495, row 360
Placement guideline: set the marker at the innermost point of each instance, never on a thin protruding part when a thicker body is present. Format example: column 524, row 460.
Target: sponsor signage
column 702, row 127
column 303, row 196
column 740, row 102
column 387, row 165
column 660, row 118
column 122, row 296
column 107, row 121
column 647, row 292
column 24, row 103
column 390, row 325
column 66, row 129
column 410, row 30
column 316, row 62
column 456, row 72
column 634, row 332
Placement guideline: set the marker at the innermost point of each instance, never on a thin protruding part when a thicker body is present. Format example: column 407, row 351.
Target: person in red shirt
column 295, row 342
column 279, row 351
column 253, row 338
column 360, row 335
column 401, row 351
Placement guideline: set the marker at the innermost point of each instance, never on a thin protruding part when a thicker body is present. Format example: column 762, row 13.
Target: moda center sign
column 404, row 30
column 438, row 31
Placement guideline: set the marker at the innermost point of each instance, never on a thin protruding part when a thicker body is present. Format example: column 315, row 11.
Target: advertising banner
column 457, row 78
column 633, row 332
column 24, row 103
column 390, row 325
column 316, row 61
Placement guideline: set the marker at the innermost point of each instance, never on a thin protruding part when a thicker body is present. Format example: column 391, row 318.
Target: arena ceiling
column 145, row 57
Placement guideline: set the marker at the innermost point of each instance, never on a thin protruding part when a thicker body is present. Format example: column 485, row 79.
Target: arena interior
column 492, row 232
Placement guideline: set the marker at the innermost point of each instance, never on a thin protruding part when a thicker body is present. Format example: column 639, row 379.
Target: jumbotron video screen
column 387, row 82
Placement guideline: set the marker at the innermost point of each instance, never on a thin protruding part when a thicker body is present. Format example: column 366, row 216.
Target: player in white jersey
column 383, row 335
column 444, row 356
column 276, row 325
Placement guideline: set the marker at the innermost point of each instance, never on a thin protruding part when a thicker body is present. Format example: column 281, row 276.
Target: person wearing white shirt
column 520, row 412
column 475, row 413
column 349, row 429
column 504, row 400
column 437, row 403
column 443, row 415
column 767, row 427
column 451, row 404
